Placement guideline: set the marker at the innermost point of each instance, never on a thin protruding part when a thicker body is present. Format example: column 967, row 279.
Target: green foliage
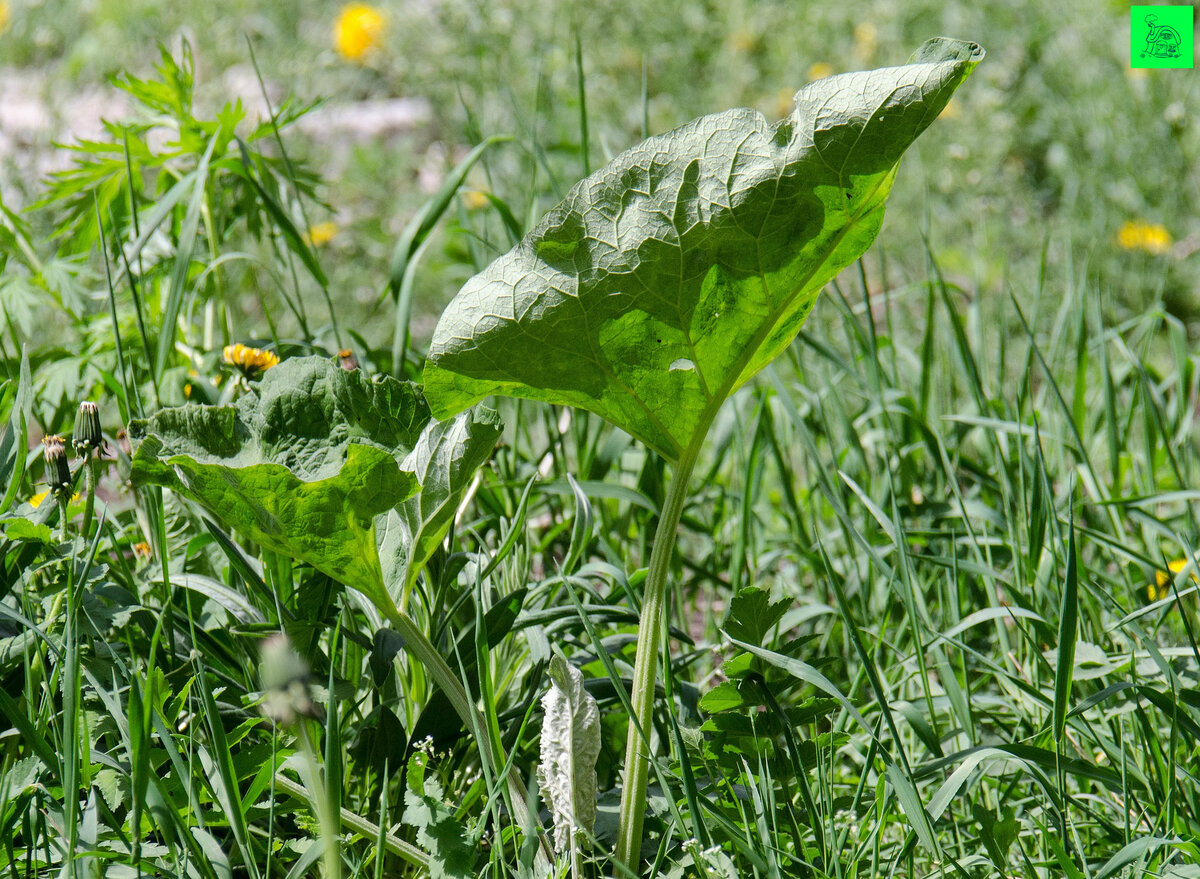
column 667, row 279
column 939, row 483
column 181, row 215
column 752, row 614
column 301, row 464
column 439, row 832
column 444, row 460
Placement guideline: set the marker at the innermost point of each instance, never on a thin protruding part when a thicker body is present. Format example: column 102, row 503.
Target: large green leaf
column 444, row 461
column 668, row 278
column 302, row 464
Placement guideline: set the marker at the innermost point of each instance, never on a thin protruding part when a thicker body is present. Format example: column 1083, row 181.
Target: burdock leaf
column 302, row 464
column 444, row 461
column 668, row 278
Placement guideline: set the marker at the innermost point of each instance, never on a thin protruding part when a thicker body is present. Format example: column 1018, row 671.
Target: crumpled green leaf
column 302, row 464
column 668, row 278
column 570, row 748
column 444, row 461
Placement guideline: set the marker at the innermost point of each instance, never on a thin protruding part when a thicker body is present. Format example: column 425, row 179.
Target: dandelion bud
column 88, row 437
column 347, row 360
column 58, row 471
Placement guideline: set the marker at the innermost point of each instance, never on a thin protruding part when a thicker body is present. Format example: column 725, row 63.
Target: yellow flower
column 820, row 70
column 866, row 38
column 1150, row 237
column 357, row 31
column 36, row 500
column 5, row 16
column 251, row 361
column 1161, row 587
column 951, row 110
column 474, row 199
column 322, row 233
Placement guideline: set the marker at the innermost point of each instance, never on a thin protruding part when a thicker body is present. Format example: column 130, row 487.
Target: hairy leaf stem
column 637, row 747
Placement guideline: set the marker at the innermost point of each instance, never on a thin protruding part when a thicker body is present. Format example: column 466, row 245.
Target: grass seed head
column 284, row 677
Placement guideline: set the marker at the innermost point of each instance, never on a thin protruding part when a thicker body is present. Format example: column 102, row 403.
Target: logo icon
column 1160, row 36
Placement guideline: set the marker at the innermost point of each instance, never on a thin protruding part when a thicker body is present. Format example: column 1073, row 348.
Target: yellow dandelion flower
column 1150, row 237
column 322, row 233
column 251, row 361
column 36, row 500
column 1161, row 587
column 5, row 16
column 358, row 31
column 141, row 550
column 474, row 199
column 866, row 38
column 820, row 70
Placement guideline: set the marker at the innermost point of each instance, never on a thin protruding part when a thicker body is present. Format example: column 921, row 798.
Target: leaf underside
column 667, row 279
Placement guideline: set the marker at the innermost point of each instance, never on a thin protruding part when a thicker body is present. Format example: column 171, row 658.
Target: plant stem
column 419, row 645
column 358, row 824
column 637, row 747
column 92, row 464
column 318, row 796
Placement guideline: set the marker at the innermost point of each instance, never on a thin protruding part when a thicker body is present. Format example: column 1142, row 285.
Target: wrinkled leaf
column 301, row 464
column 570, row 748
column 444, row 462
column 668, row 278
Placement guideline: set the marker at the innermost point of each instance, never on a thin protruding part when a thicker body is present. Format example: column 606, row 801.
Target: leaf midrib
column 767, row 327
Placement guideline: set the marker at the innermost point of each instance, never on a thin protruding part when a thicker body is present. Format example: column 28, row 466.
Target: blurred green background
column 1055, row 145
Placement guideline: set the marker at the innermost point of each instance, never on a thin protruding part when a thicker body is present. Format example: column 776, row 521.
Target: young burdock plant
column 666, row 280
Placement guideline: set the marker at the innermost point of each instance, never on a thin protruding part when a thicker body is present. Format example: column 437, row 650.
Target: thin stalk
column 384, row 840
column 321, row 801
column 419, row 645
column 637, row 747
column 70, row 703
column 92, row 467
